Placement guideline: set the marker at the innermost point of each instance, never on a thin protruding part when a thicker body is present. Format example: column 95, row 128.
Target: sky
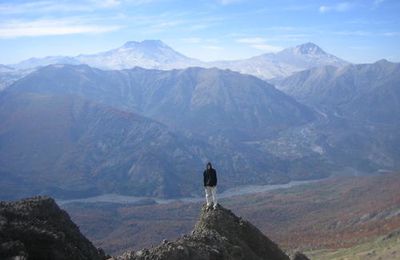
column 359, row 31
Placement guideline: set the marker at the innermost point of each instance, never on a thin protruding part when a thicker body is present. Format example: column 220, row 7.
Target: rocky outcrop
column 37, row 228
column 219, row 234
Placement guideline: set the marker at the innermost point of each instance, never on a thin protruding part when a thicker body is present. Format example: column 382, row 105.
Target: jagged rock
column 218, row 235
column 37, row 228
column 300, row 256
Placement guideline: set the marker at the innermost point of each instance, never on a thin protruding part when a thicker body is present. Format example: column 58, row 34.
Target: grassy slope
column 385, row 247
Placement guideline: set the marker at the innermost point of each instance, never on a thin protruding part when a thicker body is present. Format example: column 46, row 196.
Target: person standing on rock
column 210, row 186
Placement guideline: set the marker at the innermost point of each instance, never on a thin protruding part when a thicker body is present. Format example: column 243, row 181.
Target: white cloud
column 267, row 47
column 228, row 2
column 212, row 47
column 360, row 33
column 19, row 28
column 192, row 40
column 162, row 25
column 41, row 7
column 390, row 34
column 46, row 6
column 252, row 40
column 198, row 40
column 259, row 43
column 113, row 3
column 106, row 3
column 198, row 27
column 340, row 7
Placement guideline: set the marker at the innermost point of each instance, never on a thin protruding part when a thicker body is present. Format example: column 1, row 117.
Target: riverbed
column 236, row 191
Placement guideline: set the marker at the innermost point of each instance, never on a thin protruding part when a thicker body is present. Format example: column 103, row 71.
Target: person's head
column 209, row 166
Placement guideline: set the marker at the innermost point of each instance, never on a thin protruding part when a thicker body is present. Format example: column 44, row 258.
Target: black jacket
column 210, row 177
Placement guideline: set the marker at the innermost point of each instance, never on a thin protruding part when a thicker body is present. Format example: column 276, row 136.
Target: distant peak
column 382, row 61
column 308, row 44
column 308, row 48
column 145, row 43
column 157, row 42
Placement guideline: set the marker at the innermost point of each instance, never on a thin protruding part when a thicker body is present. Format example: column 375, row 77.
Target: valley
column 343, row 212
column 113, row 111
column 136, row 132
column 236, row 191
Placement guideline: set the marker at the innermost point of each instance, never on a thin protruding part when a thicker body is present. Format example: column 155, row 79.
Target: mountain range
column 283, row 63
column 154, row 54
column 195, row 99
column 368, row 92
column 68, row 146
column 72, row 130
column 139, row 132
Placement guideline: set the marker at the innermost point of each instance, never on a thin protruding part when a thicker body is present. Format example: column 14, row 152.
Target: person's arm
column 216, row 180
column 204, row 177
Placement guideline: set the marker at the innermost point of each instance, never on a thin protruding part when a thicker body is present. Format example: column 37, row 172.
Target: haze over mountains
column 154, row 54
column 86, row 119
column 368, row 92
column 283, row 63
column 75, row 130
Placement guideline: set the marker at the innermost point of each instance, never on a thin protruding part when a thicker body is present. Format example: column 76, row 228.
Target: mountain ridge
column 97, row 142
column 359, row 91
column 238, row 121
column 190, row 92
column 87, row 149
column 155, row 54
column 283, row 63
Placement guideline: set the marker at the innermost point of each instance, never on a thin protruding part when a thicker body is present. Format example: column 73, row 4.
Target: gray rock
column 218, row 234
column 37, row 228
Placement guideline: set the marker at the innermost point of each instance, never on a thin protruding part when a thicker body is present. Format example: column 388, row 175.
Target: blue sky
column 358, row 31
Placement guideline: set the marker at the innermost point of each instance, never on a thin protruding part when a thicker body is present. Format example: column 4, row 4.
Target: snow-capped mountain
column 40, row 62
column 154, row 54
column 9, row 75
column 283, row 63
column 5, row 69
column 150, row 54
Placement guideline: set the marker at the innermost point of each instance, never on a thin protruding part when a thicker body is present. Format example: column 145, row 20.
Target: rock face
column 218, row 234
column 37, row 228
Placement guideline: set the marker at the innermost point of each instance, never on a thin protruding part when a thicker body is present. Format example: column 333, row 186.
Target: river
column 236, row 191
